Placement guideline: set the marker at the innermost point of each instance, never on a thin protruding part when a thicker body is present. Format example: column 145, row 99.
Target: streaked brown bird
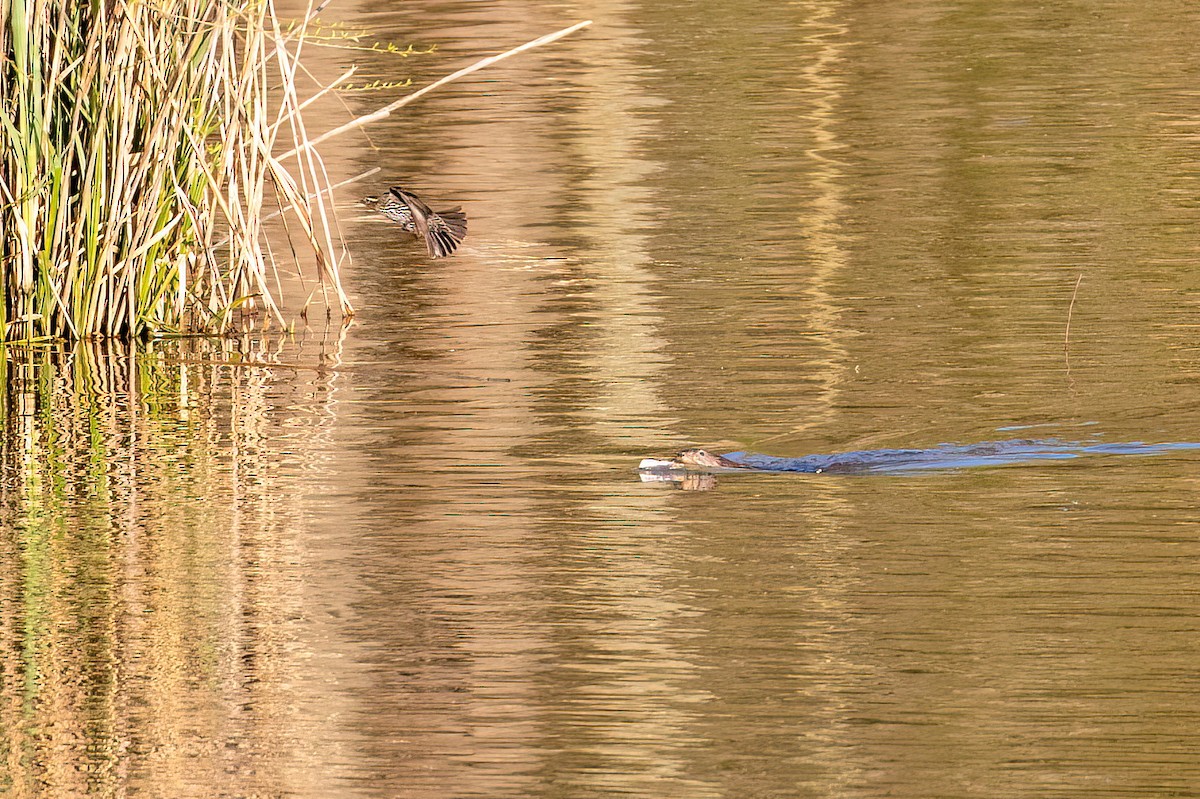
column 443, row 231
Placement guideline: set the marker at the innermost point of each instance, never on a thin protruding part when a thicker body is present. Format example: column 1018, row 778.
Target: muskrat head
column 705, row 459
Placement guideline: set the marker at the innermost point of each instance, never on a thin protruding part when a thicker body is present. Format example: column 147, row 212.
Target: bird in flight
column 442, row 231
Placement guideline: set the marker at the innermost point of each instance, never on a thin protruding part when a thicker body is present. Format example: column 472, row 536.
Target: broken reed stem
column 328, row 190
column 403, row 101
column 1070, row 311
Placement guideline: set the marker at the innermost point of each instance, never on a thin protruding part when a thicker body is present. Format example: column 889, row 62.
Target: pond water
column 412, row 557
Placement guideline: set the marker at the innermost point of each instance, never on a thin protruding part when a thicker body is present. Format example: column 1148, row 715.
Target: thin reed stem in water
column 1070, row 311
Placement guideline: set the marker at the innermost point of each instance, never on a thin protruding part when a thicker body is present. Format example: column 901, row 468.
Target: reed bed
column 136, row 145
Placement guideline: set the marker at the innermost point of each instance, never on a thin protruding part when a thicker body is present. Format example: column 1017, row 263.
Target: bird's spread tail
column 456, row 220
column 447, row 229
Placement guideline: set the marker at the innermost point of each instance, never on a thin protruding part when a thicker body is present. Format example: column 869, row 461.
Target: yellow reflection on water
column 149, row 583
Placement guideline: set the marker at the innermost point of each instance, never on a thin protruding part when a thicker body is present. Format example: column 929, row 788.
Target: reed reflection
column 148, row 587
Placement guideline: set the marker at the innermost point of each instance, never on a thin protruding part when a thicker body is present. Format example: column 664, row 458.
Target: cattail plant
column 136, row 143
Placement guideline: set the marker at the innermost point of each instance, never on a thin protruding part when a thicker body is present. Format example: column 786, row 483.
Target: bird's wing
column 420, row 214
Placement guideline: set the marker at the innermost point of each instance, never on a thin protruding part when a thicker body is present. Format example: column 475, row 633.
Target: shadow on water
column 149, row 578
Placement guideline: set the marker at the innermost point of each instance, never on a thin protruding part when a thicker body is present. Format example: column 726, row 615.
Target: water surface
column 413, row 557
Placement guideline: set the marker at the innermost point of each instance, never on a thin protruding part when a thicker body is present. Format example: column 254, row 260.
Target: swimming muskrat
column 942, row 456
column 707, row 460
column 443, row 231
